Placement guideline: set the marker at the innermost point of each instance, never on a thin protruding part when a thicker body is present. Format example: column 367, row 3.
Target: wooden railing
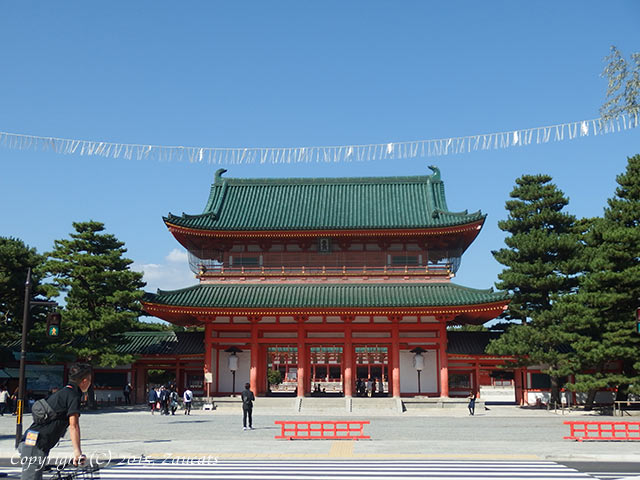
column 343, row 271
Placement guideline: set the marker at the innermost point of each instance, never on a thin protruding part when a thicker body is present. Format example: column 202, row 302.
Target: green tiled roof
column 416, row 202
column 325, row 296
column 162, row 343
column 469, row 343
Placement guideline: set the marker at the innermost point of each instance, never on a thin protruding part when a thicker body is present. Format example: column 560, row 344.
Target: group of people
column 8, row 402
column 165, row 399
column 369, row 387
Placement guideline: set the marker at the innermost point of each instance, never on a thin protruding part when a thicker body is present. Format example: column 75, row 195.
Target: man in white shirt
column 187, row 397
column 4, row 399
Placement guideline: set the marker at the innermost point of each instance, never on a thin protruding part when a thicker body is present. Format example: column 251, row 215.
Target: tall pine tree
column 542, row 260
column 603, row 312
column 102, row 293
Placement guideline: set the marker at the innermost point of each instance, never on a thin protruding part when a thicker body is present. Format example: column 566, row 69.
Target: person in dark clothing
column 164, row 400
column 39, row 439
column 153, row 398
column 247, row 406
column 472, row 403
column 173, row 400
column 126, row 391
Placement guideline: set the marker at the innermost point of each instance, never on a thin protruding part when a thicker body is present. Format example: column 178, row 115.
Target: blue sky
column 243, row 74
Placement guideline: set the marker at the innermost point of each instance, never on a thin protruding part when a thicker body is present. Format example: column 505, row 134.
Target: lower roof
column 278, row 298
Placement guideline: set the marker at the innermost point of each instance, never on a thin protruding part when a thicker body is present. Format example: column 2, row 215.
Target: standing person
column 173, row 400
column 14, row 401
column 187, row 397
column 4, row 399
column 369, row 387
column 152, row 399
column 247, row 406
column 472, row 403
column 164, row 397
column 126, row 391
column 39, row 439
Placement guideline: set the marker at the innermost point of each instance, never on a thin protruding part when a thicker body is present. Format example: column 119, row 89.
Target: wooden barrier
column 322, row 430
column 603, row 430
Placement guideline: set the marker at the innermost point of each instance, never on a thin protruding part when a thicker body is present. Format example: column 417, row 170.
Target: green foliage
column 623, row 85
column 102, row 293
column 15, row 260
column 542, row 255
column 603, row 312
column 274, row 377
column 542, row 262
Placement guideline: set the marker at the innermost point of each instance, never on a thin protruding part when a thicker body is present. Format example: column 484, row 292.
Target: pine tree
column 603, row 312
column 542, row 260
column 102, row 293
column 15, row 259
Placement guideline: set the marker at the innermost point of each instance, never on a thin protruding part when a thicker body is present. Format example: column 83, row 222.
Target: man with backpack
column 52, row 417
column 187, row 397
column 173, row 400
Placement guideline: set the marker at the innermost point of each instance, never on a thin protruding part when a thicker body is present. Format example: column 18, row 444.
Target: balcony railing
column 213, row 269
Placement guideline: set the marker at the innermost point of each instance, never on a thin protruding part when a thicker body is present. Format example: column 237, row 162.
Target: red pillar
column 253, row 373
column 444, row 361
column 207, row 358
column 476, row 387
column 348, row 358
column 302, row 357
column 395, row 357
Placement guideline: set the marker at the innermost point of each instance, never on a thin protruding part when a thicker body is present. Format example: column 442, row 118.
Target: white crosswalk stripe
column 10, row 472
column 342, row 470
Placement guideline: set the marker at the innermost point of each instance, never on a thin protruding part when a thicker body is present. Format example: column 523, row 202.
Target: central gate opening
column 325, row 363
column 372, row 371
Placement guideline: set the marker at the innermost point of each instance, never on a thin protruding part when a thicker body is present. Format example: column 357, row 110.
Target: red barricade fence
column 322, row 430
column 603, row 430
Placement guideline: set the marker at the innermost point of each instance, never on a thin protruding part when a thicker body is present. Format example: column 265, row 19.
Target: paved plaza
column 506, row 433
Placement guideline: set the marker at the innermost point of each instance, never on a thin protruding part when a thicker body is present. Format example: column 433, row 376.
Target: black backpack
column 42, row 412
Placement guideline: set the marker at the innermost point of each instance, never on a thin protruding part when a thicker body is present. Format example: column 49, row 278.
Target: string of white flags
column 344, row 153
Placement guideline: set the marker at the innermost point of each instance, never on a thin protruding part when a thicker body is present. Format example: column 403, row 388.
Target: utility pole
column 23, row 356
column 28, row 303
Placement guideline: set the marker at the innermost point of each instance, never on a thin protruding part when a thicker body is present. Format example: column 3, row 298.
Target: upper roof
column 277, row 204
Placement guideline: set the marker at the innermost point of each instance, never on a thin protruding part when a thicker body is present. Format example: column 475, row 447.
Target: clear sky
column 294, row 73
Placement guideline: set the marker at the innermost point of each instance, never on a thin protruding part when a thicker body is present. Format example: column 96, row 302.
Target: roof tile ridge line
column 160, row 292
column 436, row 192
column 276, row 181
column 220, row 200
column 483, row 290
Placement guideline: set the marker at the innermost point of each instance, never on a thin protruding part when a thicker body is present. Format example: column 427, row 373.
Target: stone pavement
column 500, row 433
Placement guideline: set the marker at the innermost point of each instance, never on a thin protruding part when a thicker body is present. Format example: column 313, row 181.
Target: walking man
column 40, row 438
column 247, row 406
column 4, row 399
column 187, row 397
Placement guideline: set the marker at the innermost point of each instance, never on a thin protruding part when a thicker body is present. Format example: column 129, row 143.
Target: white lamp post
column 418, row 362
column 232, row 363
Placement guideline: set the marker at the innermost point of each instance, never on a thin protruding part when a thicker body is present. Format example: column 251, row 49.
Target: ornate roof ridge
column 276, row 181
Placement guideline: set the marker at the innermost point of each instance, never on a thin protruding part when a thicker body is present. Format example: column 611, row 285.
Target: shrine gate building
column 331, row 282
